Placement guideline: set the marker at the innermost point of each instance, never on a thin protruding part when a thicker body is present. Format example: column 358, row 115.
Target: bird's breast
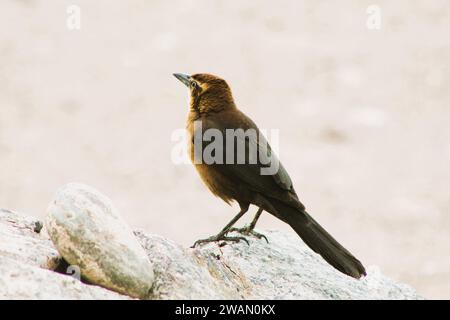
column 217, row 183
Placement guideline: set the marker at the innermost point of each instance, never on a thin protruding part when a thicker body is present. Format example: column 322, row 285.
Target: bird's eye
column 194, row 84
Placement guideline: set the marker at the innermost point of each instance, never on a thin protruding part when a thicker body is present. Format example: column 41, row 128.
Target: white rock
column 89, row 233
column 26, row 256
column 19, row 281
column 283, row 269
column 19, row 241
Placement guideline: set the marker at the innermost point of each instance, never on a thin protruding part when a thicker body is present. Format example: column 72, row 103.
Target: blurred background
column 363, row 115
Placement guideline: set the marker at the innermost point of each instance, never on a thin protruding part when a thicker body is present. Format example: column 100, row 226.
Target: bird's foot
column 249, row 231
column 219, row 237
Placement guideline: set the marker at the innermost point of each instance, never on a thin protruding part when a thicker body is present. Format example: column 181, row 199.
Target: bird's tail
column 319, row 240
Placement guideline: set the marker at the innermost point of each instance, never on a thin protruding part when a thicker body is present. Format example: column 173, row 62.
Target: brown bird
column 213, row 107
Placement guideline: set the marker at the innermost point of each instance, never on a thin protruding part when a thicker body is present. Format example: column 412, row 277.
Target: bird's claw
column 249, row 231
column 219, row 237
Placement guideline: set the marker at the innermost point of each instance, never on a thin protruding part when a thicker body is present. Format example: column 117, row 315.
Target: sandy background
column 363, row 115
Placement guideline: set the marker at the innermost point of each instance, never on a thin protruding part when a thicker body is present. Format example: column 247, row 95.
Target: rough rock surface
column 90, row 234
column 26, row 262
column 283, row 269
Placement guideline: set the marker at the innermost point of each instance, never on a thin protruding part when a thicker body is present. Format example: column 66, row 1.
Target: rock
column 283, row 269
column 90, row 234
column 19, row 241
column 21, row 281
column 26, row 263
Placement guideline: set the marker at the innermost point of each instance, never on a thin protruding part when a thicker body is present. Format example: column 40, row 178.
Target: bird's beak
column 183, row 78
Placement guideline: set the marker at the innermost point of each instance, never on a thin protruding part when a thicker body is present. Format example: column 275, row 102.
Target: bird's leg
column 222, row 234
column 249, row 230
column 255, row 219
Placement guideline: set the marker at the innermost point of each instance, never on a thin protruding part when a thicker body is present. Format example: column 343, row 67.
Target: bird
column 212, row 107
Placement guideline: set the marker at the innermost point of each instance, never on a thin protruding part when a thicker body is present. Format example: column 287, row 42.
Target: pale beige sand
column 364, row 115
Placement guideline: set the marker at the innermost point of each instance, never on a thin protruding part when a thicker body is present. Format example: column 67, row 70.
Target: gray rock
column 26, row 262
column 90, row 234
column 283, row 269
column 20, row 242
column 19, row 281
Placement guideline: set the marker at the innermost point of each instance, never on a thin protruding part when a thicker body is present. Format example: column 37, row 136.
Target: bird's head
column 208, row 93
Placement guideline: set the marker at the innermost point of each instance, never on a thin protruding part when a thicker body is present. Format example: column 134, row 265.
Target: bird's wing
column 281, row 177
column 277, row 184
